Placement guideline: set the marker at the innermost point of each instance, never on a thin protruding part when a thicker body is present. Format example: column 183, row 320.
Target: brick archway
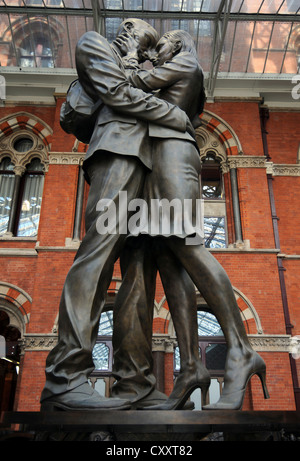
column 223, row 132
column 17, row 303
column 28, row 122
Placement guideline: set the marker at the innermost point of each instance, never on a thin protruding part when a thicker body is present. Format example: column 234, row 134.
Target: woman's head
column 172, row 43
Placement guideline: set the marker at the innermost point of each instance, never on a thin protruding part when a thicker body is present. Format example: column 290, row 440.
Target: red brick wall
column 286, row 193
column 243, row 117
column 255, row 207
column 283, row 136
column 279, row 383
column 255, row 274
column 58, row 205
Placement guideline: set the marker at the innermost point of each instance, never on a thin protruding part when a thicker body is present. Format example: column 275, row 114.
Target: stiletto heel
column 262, row 377
column 204, row 392
column 185, row 384
column 233, row 400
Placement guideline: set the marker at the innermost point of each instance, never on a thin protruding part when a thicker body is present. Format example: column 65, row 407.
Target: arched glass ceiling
column 233, row 37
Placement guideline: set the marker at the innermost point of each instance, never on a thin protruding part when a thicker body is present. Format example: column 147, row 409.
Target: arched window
column 217, row 143
column 7, row 179
column 35, row 51
column 20, row 198
column 23, row 162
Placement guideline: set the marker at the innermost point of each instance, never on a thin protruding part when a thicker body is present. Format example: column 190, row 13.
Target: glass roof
column 232, row 36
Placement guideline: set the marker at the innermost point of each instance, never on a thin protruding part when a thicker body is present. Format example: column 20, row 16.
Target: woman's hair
column 187, row 42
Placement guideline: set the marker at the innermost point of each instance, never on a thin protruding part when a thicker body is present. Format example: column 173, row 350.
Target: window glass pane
column 36, row 48
column 209, row 6
column 111, row 28
column 6, row 192
column 236, row 5
column 35, row 165
column 211, row 188
column 211, row 178
column 277, row 49
column 176, row 359
column 208, row 324
column 74, row 28
column 106, row 324
column 6, row 165
column 101, row 356
column 23, row 144
column 31, row 201
column 237, row 50
column 214, row 231
column 112, row 4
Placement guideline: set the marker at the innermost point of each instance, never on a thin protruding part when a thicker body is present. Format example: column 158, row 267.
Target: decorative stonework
column 163, row 342
column 270, row 343
column 208, row 143
column 21, row 159
column 246, row 161
column 285, row 170
column 38, row 342
column 222, row 131
column 23, row 125
column 66, row 158
column 23, row 121
column 160, row 342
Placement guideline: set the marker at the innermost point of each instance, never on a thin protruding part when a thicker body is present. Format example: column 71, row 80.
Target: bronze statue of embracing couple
column 139, row 125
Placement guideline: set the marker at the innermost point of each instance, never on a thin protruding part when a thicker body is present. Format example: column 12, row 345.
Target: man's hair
column 135, row 23
column 187, row 42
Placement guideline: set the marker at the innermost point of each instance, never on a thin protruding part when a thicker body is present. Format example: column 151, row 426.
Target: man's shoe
column 83, row 397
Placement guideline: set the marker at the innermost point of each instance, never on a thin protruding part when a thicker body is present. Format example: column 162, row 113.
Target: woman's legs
column 181, row 297
column 214, row 285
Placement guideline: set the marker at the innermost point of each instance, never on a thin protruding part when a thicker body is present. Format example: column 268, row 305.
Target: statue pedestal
column 119, row 426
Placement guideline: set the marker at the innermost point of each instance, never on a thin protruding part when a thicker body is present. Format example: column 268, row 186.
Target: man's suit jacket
column 122, row 123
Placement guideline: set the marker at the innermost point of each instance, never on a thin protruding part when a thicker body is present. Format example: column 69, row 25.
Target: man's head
column 172, row 43
column 144, row 34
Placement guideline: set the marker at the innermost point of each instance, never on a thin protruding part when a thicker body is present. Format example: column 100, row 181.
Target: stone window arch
column 24, row 147
column 17, row 305
column 218, row 142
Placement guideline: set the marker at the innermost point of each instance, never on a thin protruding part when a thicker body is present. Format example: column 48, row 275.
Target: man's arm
column 101, row 77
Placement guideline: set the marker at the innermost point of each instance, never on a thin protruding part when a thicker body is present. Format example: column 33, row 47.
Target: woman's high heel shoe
column 233, row 400
column 186, row 382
